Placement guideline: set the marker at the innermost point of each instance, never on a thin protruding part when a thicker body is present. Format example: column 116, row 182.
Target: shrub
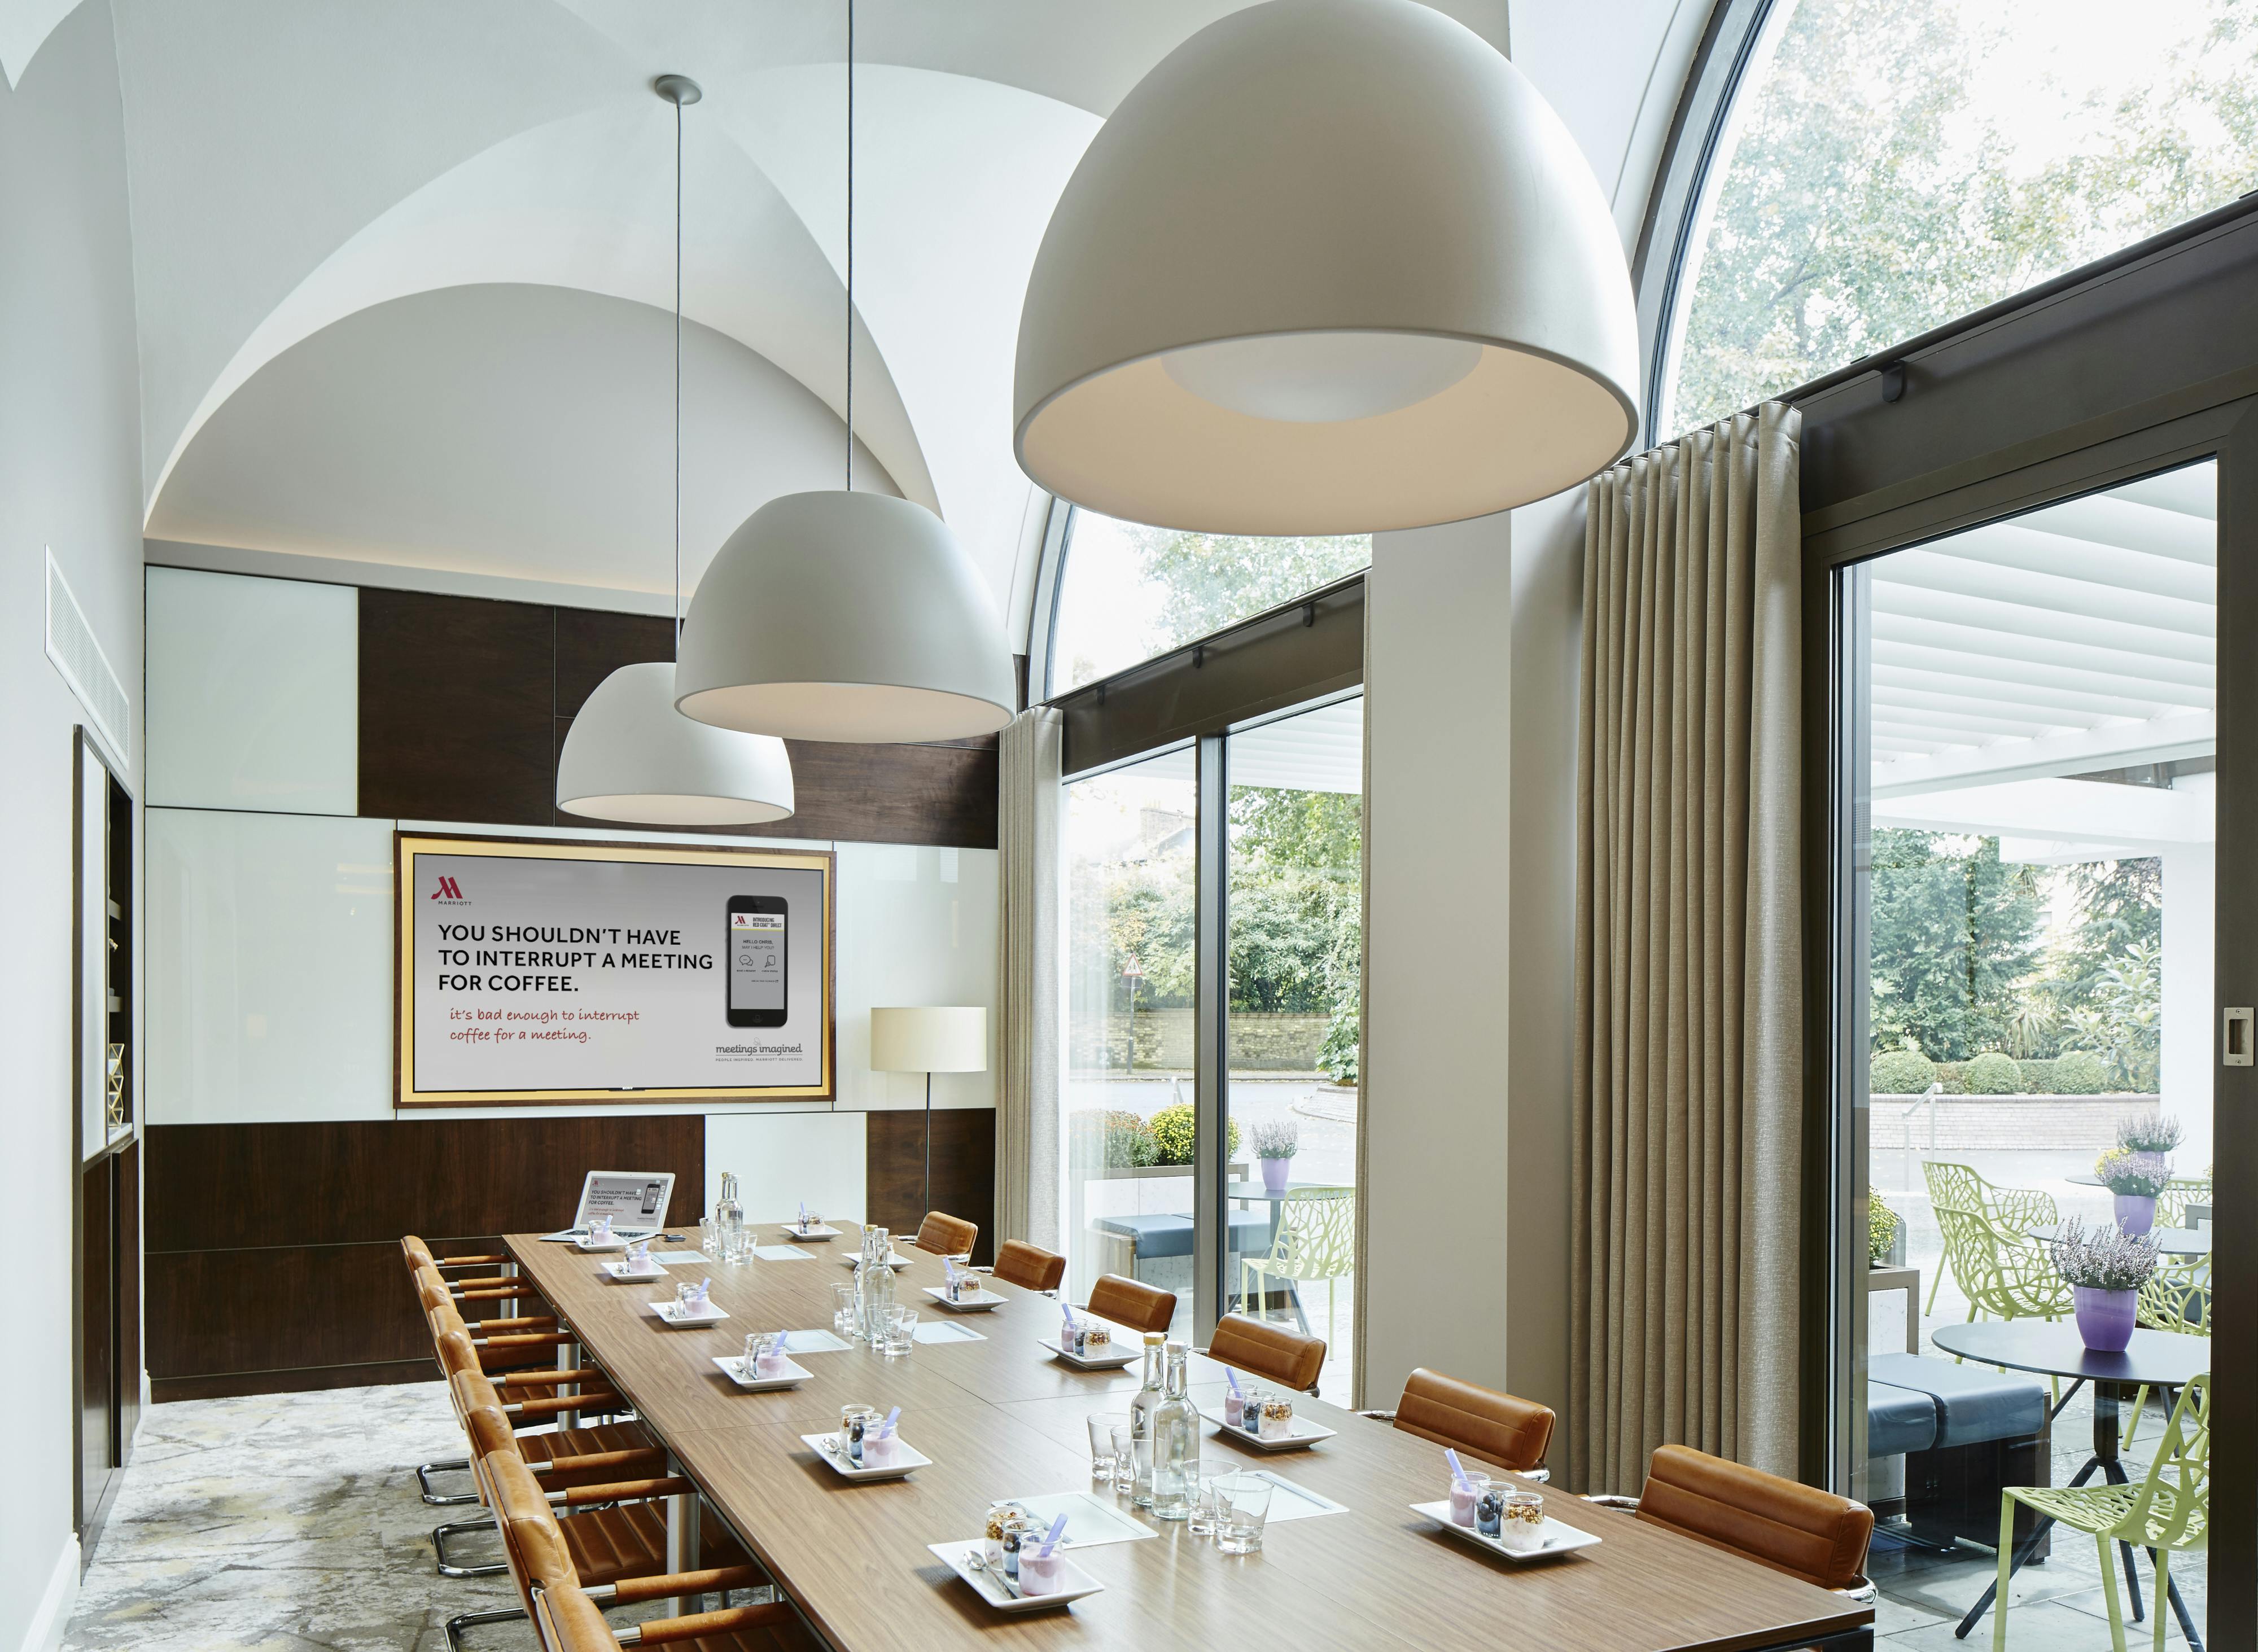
column 1127, row 1145
column 2038, row 1075
column 1901, row 1073
column 1338, row 1057
column 2080, row 1072
column 1992, row 1073
column 1881, row 1229
column 1172, row 1129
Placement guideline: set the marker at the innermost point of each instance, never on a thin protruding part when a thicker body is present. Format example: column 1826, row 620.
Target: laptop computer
column 635, row 1201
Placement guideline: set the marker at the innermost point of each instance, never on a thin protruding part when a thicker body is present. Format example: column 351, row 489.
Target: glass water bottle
column 729, row 1221
column 1176, row 1442
column 874, row 1285
column 1142, row 1411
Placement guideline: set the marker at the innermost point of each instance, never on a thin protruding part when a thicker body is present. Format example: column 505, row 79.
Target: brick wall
column 1973, row 1124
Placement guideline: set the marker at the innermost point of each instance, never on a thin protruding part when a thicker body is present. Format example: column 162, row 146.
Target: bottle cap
column 1155, row 1339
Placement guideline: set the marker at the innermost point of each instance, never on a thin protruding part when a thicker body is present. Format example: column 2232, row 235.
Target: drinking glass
column 1101, row 1425
column 1463, row 1498
column 707, row 1240
column 638, row 1258
column 1125, row 1458
column 900, row 1333
column 599, row 1231
column 1208, row 1476
column 764, row 1354
column 1239, row 1518
column 842, row 1309
column 688, row 1300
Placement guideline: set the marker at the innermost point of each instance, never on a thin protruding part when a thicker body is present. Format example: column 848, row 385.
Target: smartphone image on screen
column 757, row 935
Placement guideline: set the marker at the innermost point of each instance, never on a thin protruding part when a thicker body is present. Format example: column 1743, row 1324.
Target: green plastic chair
column 2167, row 1509
column 2015, row 1210
column 2179, row 1193
column 2177, row 1298
column 1315, row 1240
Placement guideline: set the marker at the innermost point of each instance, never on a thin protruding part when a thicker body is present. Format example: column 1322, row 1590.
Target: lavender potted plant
column 2105, row 1268
column 2136, row 1179
column 1276, row 1141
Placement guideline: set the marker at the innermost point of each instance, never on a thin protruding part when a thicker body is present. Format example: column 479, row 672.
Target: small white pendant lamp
column 630, row 754
column 1333, row 265
column 845, row 616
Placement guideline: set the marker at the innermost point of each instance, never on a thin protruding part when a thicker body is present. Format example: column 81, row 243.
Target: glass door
column 2027, row 731
column 1294, row 897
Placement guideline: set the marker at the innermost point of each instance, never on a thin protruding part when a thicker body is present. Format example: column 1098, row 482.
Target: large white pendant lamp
column 630, row 754
column 845, row 616
column 1333, row 265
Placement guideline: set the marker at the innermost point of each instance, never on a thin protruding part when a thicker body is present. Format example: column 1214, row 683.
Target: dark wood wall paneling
column 963, row 1170
column 464, row 704
column 273, row 1257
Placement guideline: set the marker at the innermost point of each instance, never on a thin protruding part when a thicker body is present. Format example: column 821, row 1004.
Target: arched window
column 1127, row 592
column 1886, row 168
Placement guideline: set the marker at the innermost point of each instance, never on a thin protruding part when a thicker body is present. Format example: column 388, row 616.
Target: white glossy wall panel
column 781, row 1159
column 270, row 968
column 916, row 926
column 253, row 692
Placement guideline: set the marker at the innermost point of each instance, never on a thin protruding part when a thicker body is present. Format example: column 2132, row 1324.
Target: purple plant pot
column 1273, row 1174
column 2135, row 1215
column 2105, row 1318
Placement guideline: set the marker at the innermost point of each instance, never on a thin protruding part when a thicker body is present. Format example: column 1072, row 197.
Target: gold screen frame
column 406, row 846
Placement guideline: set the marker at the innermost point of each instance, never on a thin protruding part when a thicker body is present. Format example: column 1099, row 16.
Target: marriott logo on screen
column 450, row 892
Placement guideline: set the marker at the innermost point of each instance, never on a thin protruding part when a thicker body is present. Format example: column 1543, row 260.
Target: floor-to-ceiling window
column 1125, row 1178
column 2030, row 741
column 1295, row 902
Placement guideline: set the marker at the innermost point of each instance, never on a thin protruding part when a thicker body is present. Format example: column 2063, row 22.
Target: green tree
column 2121, row 908
column 1874, row 195
column 1212, row 580
column 1953, row 941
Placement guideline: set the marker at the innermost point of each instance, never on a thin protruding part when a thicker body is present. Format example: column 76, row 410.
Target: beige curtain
column 1688, row 1029
column 1027, row 1017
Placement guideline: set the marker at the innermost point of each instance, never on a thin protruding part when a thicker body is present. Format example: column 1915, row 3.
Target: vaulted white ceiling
column 300, row 171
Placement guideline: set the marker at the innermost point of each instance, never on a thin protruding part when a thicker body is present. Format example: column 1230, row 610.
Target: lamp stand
column 929, row 1146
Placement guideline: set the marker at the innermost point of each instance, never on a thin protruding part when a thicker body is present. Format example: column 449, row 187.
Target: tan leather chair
column 1132, row 1302
column 569, row 1622
column 419, row 1256
column 945, row 1234
column 1029, row 1267
column 1268, row 1351
column 1790, row 1527
column 1499, row 1429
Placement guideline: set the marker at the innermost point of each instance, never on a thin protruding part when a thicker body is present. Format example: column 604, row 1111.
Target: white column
column 2189, row 1036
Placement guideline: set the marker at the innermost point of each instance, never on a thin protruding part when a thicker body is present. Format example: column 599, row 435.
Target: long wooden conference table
column 1001, row 1418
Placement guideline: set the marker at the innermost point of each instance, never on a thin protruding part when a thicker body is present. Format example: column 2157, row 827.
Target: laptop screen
column 634, row 1200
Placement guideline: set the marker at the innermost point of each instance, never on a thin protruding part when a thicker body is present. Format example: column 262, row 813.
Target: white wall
column 1470, row 664
column 69, row 463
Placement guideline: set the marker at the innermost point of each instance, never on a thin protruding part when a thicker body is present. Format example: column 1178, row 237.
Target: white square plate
column 897, row 1260
column 1559, row 1537
column 733, row 1367
column 826, row 1446
column 1112, row 1361
column 626, row 1275
column 992, row 1589
column 812, row 1236
column 585, row 1244
column 669, row 1313
column 986, row 1301
column 1305, row 1433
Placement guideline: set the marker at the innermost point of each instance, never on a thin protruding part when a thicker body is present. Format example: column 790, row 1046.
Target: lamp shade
column 1333, row 265
column 846, row 617
column 929, row 1040
column 630, row 755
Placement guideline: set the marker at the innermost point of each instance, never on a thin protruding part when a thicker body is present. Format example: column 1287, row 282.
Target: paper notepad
column 941, row 1331
column 783, row 1253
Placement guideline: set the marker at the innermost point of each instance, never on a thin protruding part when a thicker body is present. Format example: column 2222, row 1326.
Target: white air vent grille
column 85, row 667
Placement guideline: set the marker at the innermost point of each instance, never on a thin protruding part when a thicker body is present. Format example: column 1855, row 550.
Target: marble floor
column 285, row 1523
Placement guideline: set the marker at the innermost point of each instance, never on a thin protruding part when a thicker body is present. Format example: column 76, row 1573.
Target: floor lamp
column 929, row 1041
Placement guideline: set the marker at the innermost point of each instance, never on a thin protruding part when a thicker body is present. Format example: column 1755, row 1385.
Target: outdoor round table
column 2170, row 1241
column 2152, row 1359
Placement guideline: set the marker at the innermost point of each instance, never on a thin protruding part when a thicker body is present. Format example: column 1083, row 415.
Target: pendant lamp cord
column 850, row 246
column 677, row 381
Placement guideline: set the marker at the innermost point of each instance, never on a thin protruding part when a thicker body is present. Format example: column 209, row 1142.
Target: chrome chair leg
column 473, row 1619
column 447, row 1564
column 425, row 1471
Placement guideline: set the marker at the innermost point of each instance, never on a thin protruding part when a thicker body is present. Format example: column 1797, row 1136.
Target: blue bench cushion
column 1172, row 1235
column 1973, row 1402
column 1898, row 1420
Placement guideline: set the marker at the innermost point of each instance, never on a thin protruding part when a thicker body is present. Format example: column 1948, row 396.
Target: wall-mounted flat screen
column 550, row 971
